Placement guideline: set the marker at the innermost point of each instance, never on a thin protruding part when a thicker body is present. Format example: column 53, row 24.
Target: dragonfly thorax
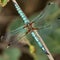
column 30, row 27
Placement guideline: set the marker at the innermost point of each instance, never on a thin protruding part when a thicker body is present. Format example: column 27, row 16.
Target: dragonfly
column 29, row 25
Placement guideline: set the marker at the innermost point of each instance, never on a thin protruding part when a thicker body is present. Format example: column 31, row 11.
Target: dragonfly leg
column 25, row 26
column 35, row 28
column 31, row 23
column 28, row 31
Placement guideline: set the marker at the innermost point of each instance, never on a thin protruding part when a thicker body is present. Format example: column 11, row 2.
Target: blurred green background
column 50, row 34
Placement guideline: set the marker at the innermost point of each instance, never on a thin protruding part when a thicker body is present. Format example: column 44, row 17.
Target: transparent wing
column 15, row 28
column 20, row 31
column 47, row 12
column 47, row 18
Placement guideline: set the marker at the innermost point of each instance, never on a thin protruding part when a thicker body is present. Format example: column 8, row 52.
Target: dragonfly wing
column 19, row 31
column 41, row 14
column 48, row 11
column 47, row 17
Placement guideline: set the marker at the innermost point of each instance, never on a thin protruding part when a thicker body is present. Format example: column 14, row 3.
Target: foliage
column 3, row 2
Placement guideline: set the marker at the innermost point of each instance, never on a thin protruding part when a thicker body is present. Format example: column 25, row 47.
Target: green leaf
column 3, row 2
column 13, row 53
